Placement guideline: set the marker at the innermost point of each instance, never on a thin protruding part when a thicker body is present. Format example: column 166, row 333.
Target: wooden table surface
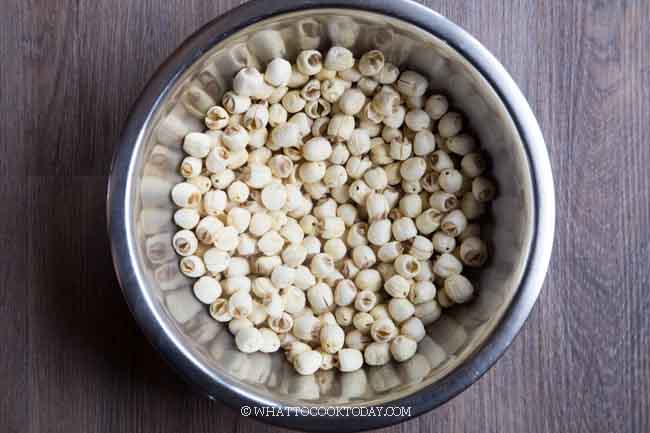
column 73, row 360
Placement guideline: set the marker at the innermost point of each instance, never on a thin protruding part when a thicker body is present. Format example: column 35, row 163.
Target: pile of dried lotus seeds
column 330, row 209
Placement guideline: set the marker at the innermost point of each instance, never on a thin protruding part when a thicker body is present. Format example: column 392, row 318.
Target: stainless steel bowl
column 462, row 345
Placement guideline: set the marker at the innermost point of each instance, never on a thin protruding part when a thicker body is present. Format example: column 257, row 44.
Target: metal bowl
column 460, row 346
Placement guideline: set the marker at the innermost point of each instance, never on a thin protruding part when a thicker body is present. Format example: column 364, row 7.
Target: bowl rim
column 428, row 397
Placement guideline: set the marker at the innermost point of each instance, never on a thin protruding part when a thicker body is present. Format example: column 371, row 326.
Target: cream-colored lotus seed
column 303, row 279
column 258, row 316
column 270, row 341
column 350, row 360
column 191, row 167
column 359, row 191
column 421, row 248
column 345, row 293
column 248, row 340
column 344, row 316
column 447, row 265
column 240, row 304
column 357, row 166
column 185, row 243
column 397, row 286
column 335, row 248
column 356, row 339
column 237, row 267
column 236, row 284
column 332, row 89
column 450, row 180
column 436, row 106
column 407, row 266
column 312, row 245
column 322, row 265
column 283, row 276
column 186, row 195
column 318, row 109
column 294, row 299
column 215, row 260
column 207, row 289
column 236, row 325
column 261, row 286
column 197, row 144
column 325, row 208
column 359, row 142
column 219, row 310
column 458, row 288
column 341, row 126
column 453, row 223
column 292, row 232
column 319, row 127
column 271, row 243
column 363, row 256
column 216, row 118
column 312, row 172
column 400, row 309
column 286, row 135
column 311, row 90
column 273, row 304
column 365, row 300
column 235, row 104
column 335, row 176
column 368, row 279
column 316, row 190
column 338, row 59
column 187, row 218
column 417, row 120
column 320, row 297
column 473, row 252
column 379, row 232
column 332, row 338
column 277, row 94
column 450, row 124
column 443, row 243
column 383, row 330
column 410, row 205
column 307, row 328
column 348, row 213
column 411, row 83
column 473, row 165
column 388, row 252
column 294, row 348
column 264, row 265
column 309, row 62
column 277, row 116
column 331, row 227
column 442, row 201
column 293, row 102
column 403, row 348
column 404, row 229
column 297, row 79
column 207, row 229
column 363, row 321
column 352, row 101
column 400, row 149
column 440, row 160
column 278, row 72
column 281, row 324
column 421, row 292
column 307, row 363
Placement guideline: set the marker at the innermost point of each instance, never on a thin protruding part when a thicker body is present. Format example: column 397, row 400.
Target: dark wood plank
column 72, row 358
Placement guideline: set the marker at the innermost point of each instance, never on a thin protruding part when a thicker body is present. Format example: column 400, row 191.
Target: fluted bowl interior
column 153, row 169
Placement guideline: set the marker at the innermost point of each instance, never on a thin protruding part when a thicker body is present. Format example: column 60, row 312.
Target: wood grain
column 73, row 360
